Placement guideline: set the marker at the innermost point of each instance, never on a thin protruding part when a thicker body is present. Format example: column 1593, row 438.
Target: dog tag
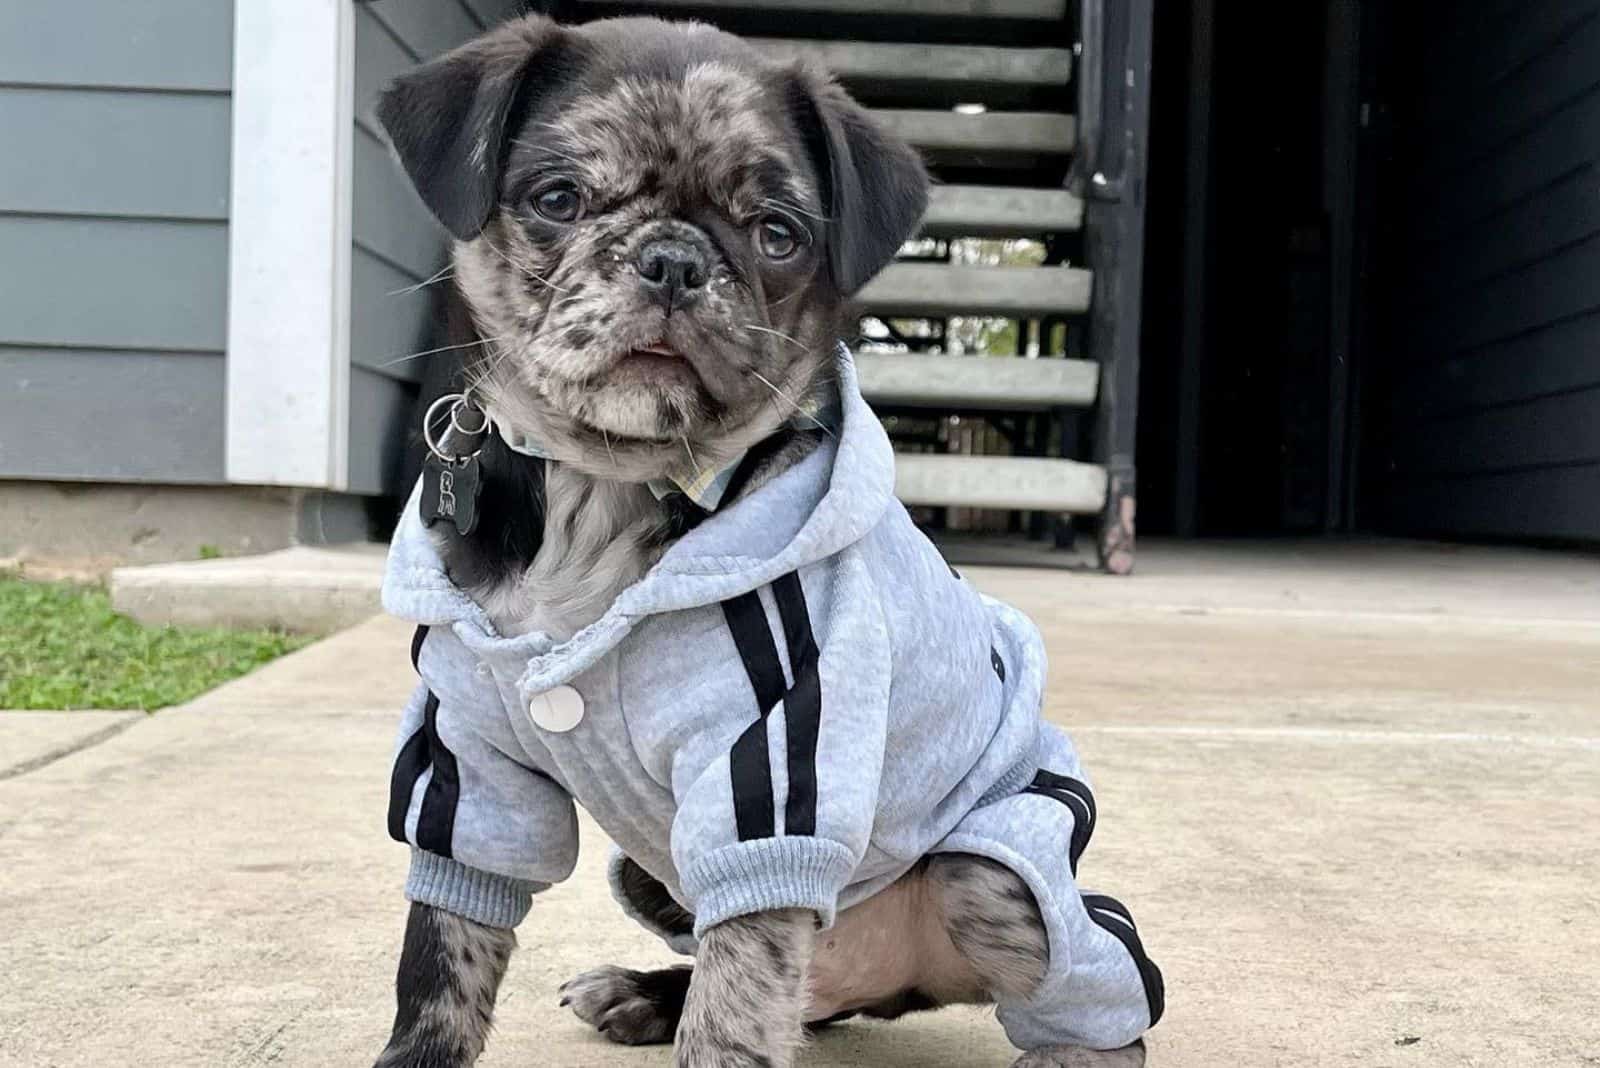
column 450, row 491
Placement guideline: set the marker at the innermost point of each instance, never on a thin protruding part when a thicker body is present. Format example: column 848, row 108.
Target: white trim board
column 288, row 356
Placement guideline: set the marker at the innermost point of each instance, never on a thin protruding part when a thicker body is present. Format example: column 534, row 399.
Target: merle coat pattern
column 656, row 235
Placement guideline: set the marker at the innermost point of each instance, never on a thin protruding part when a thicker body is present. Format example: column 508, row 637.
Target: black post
column 1114, row 193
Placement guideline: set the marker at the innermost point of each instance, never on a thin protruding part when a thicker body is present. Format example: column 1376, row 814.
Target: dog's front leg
column 748, row 994
column 450, row 971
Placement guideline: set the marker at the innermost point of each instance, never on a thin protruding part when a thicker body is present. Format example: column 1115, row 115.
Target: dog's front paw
column 630, row 1007
column 1078, row 1057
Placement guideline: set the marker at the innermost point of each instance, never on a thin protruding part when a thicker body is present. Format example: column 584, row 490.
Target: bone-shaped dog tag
column 450, row 491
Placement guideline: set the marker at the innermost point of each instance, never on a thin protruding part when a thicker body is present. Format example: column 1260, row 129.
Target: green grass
column 62, row 647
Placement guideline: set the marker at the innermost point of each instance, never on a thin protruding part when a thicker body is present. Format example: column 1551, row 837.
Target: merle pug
column 657, row 233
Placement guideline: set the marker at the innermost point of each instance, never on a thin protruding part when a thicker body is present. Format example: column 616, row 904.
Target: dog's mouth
column 658, row 354
column 658, row 364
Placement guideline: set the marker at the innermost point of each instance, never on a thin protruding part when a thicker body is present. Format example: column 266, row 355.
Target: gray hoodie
column 799, row 701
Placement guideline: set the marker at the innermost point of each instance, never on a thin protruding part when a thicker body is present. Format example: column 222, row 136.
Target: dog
column 659, row 570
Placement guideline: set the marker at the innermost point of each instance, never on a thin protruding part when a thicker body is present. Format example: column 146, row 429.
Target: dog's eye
column 776, row 239
column 558, row 203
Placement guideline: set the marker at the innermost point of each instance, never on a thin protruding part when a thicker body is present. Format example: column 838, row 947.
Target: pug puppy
column 657, row 234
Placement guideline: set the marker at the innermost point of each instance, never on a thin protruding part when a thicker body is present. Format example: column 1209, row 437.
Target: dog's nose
column 673, row 270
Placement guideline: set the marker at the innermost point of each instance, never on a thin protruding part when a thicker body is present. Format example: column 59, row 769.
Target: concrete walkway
column 1356, row 830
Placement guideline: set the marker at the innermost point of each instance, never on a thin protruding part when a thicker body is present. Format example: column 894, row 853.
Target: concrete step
column 1000, row 211
column 1001, row 383
column 991, row 138
column 939, row 289
column 987, row 9
column 308, row 590
column 1028, row 483
column 879, row 64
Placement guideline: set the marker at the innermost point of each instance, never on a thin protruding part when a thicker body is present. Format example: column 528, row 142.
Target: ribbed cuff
column 479, row 896
column 769, row 873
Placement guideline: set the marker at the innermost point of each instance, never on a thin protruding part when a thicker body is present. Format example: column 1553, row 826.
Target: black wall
column 1373, row 270
column 1486, row 386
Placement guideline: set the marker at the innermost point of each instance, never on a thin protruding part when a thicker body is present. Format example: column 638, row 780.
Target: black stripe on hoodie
column 1078, row 799
column 802, row 707
column 754, row 811
column 436, row 821
column 1113, row 917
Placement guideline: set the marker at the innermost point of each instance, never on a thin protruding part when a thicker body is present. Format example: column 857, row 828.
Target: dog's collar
column 707, row 487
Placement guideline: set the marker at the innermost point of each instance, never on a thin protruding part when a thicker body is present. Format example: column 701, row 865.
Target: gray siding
column 121, row 283
column 398, row 245
column 113, row 239
column 1495, row 376
column 154, row 44
column 111, row 415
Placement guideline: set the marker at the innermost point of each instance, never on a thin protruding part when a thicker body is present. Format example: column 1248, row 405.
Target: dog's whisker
column 776, row 392
column 693, row 462
column 775, row 333
column 441, row 348
column 798, row 409
column 448, row 271
column 520, row 269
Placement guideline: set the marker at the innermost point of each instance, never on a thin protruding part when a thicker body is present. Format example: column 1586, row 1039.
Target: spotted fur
column 450, row 972
column 633, row 1008
column 599, row 537
column 648, row 898
column 747, row 998
column 993, row 921
column 1077, row 1057
column 668, row 131
column 971, row 926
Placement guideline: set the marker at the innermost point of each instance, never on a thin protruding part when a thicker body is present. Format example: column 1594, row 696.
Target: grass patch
column 62, row 647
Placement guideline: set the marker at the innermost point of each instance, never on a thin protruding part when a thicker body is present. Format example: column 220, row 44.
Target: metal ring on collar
column 458, row 401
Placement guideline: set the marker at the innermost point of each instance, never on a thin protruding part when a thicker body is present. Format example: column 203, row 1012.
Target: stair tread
column 999, row 211
column 1004, row 383
column 1005, row 482
column 912, row 289
column 1039, row 132
column 925, row 63
column 1010, row 9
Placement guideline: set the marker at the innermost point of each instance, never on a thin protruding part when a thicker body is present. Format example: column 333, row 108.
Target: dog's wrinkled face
column 657, row 231
column 652, row 268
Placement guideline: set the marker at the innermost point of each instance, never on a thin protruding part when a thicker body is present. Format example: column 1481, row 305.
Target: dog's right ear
column 449, row 120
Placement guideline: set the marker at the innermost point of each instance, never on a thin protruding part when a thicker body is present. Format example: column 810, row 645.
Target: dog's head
column 657, row 230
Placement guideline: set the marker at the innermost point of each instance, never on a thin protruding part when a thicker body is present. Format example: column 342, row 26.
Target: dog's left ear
column 875, row 185
column 449, row 120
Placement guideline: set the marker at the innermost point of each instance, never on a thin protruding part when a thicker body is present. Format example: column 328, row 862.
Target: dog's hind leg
column 994, row 922
column 992, row 919
column 450, row 972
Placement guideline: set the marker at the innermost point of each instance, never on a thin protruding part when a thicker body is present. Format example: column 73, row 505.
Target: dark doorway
column 1373, row 271
column 1246, row 419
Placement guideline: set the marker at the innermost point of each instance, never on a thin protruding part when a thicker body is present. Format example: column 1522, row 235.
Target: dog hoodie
column 795, row 704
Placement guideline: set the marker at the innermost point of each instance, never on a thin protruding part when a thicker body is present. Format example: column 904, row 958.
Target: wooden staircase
column 1031, row 115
